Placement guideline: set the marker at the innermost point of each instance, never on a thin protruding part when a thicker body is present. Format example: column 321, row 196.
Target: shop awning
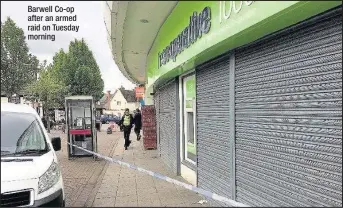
column 132, row 28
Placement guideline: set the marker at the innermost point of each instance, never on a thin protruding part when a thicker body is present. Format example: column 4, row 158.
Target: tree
column 78, row 70
column 18, row 67
column 60, row 69
column 4, row 62
column 87, row 83
column 48, row 90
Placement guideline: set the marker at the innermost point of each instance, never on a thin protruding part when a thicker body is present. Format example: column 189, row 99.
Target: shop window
column 191, row 151
column 189, row 118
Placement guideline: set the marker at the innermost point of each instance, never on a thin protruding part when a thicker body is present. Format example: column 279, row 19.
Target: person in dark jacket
column 63, row 126
column 138, row 123
column 45, row 123
column 127, row 122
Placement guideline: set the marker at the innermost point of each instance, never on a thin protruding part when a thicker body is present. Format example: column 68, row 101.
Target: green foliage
column 72, row 73
column 87, row 82
column 18, row 67
column 59, row 68
column 49, row 90
column 78, row 70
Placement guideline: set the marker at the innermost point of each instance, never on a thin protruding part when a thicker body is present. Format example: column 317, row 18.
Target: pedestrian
column 45, row 123
column 138, row 123
column 127, row 122
column 63, row 126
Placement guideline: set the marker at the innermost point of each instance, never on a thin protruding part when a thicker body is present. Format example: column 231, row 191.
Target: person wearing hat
column 127, row 122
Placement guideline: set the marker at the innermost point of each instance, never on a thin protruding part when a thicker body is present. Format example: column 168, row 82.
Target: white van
column 30, row 173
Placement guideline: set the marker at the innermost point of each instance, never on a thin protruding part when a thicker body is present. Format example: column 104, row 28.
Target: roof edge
column 118, row 16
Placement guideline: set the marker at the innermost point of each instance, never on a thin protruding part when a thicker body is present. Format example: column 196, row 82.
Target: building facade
column 123, row 99
column 248, row 95
column 38, row 106
column 116, row 103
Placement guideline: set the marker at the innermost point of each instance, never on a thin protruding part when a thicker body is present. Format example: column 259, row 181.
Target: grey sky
column 92, row 29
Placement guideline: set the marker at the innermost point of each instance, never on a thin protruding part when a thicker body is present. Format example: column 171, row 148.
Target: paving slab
column 81, row 175
column 98, row 183
column 134, row 188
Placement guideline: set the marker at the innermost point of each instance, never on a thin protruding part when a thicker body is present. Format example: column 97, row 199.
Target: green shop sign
column 197, row 31
column 198, row 25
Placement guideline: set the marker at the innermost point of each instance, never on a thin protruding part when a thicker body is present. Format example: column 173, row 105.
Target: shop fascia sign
column 228, row 8
column 199, row 24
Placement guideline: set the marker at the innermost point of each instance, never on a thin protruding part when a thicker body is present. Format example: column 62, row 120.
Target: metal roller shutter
column 289, row 116
column 168, row 124
column 213, row 148
column 157, row 114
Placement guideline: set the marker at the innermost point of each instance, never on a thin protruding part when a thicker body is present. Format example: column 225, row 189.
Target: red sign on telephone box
column 139, row 92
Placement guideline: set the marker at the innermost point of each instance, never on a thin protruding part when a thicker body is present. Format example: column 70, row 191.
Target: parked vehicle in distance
column 29, row 166
column 105, row 119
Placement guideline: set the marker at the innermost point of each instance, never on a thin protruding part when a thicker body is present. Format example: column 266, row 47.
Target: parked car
column 115, row 119
column 109, row 118
column 29, row 166
column 103, row 119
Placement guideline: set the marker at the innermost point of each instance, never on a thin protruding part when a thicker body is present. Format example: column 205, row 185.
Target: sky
column 92, row 28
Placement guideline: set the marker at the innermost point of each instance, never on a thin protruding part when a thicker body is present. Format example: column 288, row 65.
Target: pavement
column 81, row 175
column 98, row 183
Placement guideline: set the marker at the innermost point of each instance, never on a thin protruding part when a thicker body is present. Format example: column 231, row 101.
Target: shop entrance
column 188, row 140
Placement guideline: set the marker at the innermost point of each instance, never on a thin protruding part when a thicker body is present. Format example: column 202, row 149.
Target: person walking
column 63, row 126
column 138, row 123
column 127, row 122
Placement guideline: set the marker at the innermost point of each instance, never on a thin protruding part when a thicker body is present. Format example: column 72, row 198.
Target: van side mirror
column 56, row 143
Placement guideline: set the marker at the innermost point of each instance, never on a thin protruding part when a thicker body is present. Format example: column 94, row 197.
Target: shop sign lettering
column 227, row 8
column 199, row 24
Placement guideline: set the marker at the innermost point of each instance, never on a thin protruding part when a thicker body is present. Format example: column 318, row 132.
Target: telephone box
column 80, row 125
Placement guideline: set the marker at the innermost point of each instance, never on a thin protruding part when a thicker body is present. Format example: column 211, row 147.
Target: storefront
column 248, row 99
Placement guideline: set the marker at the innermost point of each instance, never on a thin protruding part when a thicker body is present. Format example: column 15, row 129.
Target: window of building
column 189, row 114
column 118, row 103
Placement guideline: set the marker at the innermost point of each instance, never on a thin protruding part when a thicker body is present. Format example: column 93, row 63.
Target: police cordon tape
column 203, row 192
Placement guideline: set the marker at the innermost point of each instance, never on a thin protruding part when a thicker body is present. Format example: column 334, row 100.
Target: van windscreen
column 21, row 134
